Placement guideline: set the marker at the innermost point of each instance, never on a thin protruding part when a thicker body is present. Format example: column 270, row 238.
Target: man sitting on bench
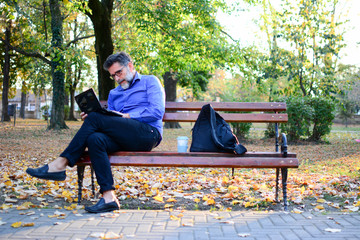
column 141, row 100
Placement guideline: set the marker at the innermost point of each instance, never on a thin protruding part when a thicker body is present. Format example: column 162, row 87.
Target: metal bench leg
column 284, row 174
column 277, row 186
column 80, row 172
column 92, row 181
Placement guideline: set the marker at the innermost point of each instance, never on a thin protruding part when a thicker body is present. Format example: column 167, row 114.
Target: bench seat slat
column 229, row 117
column 215, row 162
column 200, row 159
column 228, row 106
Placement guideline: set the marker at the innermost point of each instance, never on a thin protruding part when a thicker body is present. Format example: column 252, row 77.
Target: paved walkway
column 151, row 224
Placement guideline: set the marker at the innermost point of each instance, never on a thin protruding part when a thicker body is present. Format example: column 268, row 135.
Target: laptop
column 88, row 102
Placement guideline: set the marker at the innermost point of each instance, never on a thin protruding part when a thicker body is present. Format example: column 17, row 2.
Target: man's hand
column 125, row 115
column 83, row 115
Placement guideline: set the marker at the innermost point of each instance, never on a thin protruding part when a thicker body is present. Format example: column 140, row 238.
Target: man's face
column 121, row 74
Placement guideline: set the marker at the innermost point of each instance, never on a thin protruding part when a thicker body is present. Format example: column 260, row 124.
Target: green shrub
column 323, row 115
column 299, row 118
column 270, row 130
column 308, row 117
column 241, row 130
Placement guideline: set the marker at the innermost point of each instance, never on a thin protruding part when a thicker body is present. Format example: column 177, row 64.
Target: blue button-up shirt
column 144, row 100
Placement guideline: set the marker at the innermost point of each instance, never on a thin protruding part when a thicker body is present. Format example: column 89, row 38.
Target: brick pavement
column 153, row 224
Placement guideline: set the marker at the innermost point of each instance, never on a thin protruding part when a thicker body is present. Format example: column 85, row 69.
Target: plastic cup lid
column 182, row 138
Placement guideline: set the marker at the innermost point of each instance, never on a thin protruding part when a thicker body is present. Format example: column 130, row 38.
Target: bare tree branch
column 119, row 19
column 26, row 53
column 78, row 39
column 228, row 35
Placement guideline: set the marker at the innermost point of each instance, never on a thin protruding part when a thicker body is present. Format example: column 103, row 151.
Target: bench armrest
column 284, row 147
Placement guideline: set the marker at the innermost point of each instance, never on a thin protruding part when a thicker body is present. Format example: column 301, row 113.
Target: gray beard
column 125, row 84
column 128, row 78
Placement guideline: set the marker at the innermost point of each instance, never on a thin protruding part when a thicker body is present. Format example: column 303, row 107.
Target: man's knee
column 96, row 139
column 92, row 115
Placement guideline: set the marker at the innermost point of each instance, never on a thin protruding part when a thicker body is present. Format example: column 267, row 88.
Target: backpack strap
column 213, row 129
column 240, row 149
column 213, row 125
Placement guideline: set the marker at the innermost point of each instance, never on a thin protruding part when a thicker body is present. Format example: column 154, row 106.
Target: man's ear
column 131, row 66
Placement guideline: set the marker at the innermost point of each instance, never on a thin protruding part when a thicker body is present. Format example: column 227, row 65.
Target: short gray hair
column 121, row 57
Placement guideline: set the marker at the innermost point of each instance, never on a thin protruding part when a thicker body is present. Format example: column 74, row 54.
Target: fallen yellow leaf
column 228, row 195
column 28, row 224
column 69, row 208
column 8, row 183
column 158, row 198
column 5, row 206
column 247, row 204
column 16, row 224
column 320, row 207
column 302, row 190
column 148, row 193
column 22, row 207
column 233, row 188
column 111, row 235
column 298, row 211
column 172, row 217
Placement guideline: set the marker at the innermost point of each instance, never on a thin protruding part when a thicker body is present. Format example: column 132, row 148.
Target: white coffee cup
column 182, row 143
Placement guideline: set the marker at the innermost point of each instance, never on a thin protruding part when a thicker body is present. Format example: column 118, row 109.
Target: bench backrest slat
column 189, row 111
column 229, row 117
column 228, row 106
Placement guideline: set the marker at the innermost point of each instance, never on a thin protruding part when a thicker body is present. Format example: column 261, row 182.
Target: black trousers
column 103, row 134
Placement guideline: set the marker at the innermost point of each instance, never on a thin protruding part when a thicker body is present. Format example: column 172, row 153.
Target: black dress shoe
column 101, row 206
column 43, row 173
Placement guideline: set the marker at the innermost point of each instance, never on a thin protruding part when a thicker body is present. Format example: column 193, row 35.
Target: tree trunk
column 66, row 99
column 6, row 80
column 22, row 105
column 72, row 101
column 101, row 19
column 58, row 77
column 170, row 82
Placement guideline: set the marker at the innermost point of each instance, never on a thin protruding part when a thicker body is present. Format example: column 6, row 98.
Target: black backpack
column 212, row 134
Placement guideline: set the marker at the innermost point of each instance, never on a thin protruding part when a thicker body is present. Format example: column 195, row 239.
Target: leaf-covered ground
column 328, row 178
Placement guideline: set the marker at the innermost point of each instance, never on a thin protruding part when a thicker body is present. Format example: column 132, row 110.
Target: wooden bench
column 271, row 112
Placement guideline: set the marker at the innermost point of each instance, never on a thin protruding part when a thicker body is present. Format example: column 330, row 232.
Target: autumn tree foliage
column 181, row 42
column 40, row 29
column 304, row 40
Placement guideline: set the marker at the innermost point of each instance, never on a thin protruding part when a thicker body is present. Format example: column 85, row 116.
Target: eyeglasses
column 117, row 73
